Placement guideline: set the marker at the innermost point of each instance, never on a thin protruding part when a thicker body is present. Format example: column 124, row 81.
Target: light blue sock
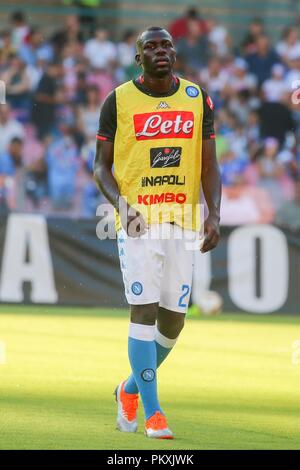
column 142, row 357
column 164, row 346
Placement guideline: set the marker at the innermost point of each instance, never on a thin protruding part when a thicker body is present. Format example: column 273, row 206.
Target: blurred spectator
column 9, row 128
column 244, row 204
column 6, row 49
column 288, row 216
column 222, row 143
column 65, row 79
column 194, row 47
column 7, row 166
column 36, row 169
column 72, row 62
column 256, row 28
column 292, row 78
column 214, row 79
column 100, row 52
column 5, row 202
column 35, row 48
column 238, row 143
column 45, row 100
column 274, row 88
column 241, row 79
column 276, row 120
column 88, row 115
column 232, row 168
column 87, row 14
column 219, row 38
column 80, row 92
column 11, row 166
column 126, row 48
column 262, row 60
column 252, row 130
column 289, row 45
column 271, row 174
column 70, row 33
column 20, row 29
column 90, row 197
column 63, row 163
column 179, row 28
column 126, row 57
column 240, row 107
column 17, row 83
column 15, row 152
column 103, row 80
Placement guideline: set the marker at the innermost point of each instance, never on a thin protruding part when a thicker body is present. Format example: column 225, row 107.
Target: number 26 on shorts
column 186, row 290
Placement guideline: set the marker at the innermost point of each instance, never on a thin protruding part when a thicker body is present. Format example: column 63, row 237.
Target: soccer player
column 155, row 149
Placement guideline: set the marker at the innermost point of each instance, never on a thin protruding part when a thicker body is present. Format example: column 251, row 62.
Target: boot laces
column 130, row 405
column 157, row 421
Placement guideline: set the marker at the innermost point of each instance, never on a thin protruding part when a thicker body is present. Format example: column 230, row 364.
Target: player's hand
column 211, row 234
column 133, row 222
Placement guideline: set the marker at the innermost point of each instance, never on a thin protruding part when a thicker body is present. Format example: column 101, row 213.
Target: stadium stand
column 58, row 67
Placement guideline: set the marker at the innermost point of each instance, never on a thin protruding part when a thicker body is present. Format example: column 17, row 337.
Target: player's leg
column 141, row 264
column 143, row 359
column 169, row 323
column 142, row 354
column 177, row 279
column 175, row 292
column 167, row 329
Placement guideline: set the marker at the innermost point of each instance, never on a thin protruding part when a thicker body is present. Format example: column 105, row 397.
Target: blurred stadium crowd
column 55, row 87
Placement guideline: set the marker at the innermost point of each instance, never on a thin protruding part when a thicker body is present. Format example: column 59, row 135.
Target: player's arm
column 103, row 165
column 103, row 172
column 210, row 179
column 132, row 221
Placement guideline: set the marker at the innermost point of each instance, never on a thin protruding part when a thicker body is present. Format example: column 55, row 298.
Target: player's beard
column 156, row 73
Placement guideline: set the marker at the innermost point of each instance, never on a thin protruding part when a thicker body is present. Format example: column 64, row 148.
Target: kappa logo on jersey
column 163, row 157
column 149, row 199
column 172, row 180
column 164, row 125
column 162, row 105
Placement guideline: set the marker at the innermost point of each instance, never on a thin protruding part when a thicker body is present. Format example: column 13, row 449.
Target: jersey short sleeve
column 108, row 119
column 208, row 131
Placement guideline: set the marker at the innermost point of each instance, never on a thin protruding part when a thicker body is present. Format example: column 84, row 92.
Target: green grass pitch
column 230, row 383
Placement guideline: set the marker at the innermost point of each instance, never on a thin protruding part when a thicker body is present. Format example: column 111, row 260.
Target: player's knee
column 177, row 326
column 172, row 328
column 144, row 314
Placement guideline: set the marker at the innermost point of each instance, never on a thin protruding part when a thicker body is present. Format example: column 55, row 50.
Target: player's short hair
column 16, row 140
column 140, row 36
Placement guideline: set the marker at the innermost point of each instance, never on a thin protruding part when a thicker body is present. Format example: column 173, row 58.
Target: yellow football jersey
column 158, row 153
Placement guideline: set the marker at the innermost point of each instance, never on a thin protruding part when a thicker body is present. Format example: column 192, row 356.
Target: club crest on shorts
column 137, row 288
column 148, row 375
column 192, row 91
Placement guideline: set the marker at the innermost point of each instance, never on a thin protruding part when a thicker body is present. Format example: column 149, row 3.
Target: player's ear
column 138, row 59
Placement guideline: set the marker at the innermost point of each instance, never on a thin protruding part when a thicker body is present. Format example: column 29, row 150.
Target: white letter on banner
column 274, row 268
column 201, row 275
column 27, row 233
